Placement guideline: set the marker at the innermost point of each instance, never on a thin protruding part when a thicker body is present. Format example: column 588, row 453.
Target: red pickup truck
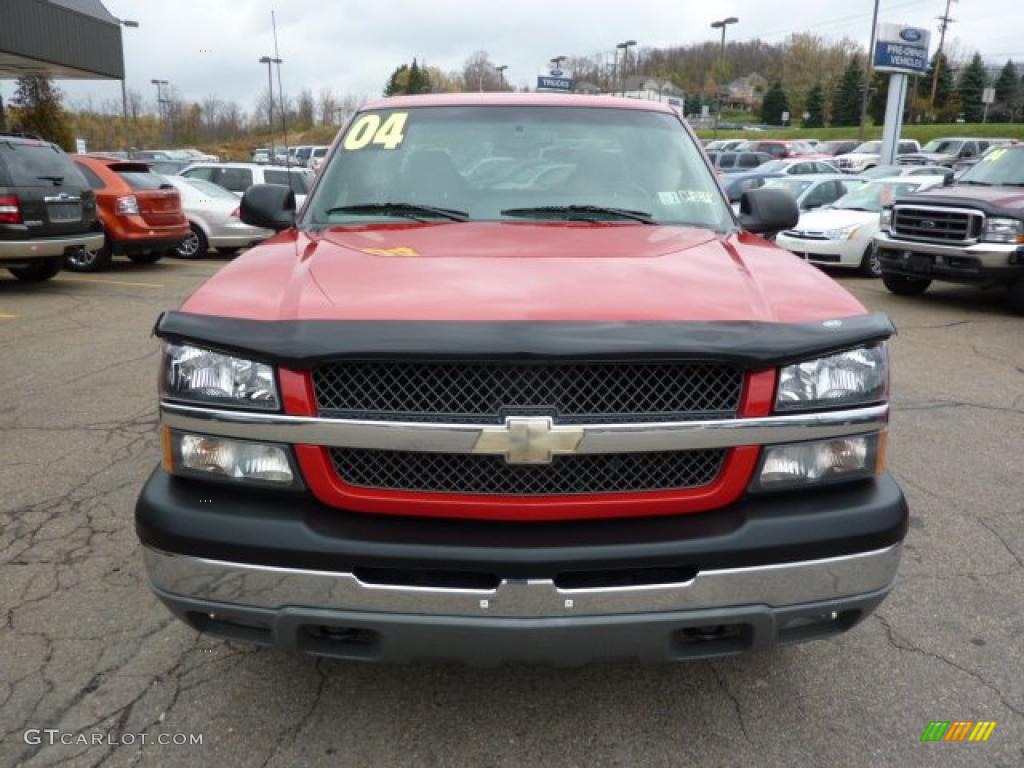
column 517, row 384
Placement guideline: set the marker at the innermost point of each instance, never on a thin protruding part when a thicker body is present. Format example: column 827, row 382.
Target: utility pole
column 269, row 60
column 721, row 24
column 945, row 20
column 869, row 69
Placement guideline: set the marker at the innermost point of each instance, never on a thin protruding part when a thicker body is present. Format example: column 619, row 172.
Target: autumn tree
column 38, row 110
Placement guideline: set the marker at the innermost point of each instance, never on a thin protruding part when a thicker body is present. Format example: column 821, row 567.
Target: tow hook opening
column 712, row 640
column 351, row 642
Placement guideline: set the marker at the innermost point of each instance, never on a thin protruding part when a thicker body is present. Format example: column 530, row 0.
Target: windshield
column 774, row 166
column 943, row 146
column 883, row 171
column 875, row 195
column 38, row 165
column 795, row 186
column 869, row 148
column 1003, row 166
column 486, row 160
column 299, row 180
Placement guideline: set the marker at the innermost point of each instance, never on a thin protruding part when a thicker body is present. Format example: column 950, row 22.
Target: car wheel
column 870, row 264
column 1016, row 296
column 146, row 258
column 90, row 259
column 41, row 270
column 194, row 246
column 906, row 286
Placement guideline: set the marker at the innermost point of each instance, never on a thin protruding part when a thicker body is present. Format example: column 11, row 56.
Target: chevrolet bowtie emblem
column 528, row 440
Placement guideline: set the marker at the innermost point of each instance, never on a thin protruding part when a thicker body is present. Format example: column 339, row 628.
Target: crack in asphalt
column 733, row 698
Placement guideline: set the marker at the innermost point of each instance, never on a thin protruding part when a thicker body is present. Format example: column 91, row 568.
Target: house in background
column 652, row 89
column 744, row 94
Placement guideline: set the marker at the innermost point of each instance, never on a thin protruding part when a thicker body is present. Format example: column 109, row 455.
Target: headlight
column 1003, row 231
column 203, row 376
column 821, row 463
column 885, row 220
column 855, row 377
column 220, row 458
column 842, row 233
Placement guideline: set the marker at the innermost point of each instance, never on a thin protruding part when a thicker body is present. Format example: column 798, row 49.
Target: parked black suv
column 46, row 208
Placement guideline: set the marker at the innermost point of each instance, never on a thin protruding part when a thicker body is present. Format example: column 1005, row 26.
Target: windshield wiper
column 406, row 210
column 55, row 179
column 975, row 183
column 581, row 211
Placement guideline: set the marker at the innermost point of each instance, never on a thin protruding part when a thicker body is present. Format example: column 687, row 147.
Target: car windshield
column 569, row 161
column 869, row 148
column 882, row 171
column 875, row 195
column 1004, row 166
column 795, row 186
column 210, row 189
column 943, row 146
column 299, row 180
column 774, row 166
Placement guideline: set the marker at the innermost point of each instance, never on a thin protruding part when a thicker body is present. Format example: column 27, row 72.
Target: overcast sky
column 352, row 47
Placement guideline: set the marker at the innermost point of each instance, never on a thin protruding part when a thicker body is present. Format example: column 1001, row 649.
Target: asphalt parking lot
column 85, row 648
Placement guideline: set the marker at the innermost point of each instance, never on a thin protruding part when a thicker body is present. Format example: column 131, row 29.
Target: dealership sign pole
column 901, row 51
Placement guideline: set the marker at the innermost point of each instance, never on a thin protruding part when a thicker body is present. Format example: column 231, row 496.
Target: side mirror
column 766, row 211
column 268, row 206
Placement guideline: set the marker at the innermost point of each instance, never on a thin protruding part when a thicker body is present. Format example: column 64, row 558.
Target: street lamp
column 160, row 101
column 721, row 24
column 624, row 46
column 501, row 76
column 268, row 60
column 124, row 89
column 556, row 62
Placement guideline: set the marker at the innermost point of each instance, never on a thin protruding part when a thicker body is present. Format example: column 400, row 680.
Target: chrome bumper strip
column 466, row 438
column 773, row 585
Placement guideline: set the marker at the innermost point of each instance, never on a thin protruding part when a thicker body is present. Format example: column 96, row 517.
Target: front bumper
column 830, row 253
column 978, row 263
column 27, row 251
column 286, row 570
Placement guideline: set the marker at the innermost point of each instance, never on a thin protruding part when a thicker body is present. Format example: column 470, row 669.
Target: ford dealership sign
column 901, row 49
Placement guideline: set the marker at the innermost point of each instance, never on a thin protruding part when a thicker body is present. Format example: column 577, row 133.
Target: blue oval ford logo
column 911, row 35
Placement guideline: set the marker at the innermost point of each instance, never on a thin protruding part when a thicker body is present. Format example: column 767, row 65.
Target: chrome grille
column 911, row 160
column 934, row 224
column 476, row 474
column 487, row 392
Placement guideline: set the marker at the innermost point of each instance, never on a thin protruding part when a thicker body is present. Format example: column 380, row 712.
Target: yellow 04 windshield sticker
column 371, row 130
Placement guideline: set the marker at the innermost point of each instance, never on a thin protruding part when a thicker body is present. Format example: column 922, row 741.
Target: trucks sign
column 901, row 49
column 554, row 83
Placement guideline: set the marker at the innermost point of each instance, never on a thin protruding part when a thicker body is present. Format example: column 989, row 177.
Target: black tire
column 1015, row 298
column 85, row 260
column 41, row 270
column 146, row 258
column 906, row 286
column 870, row 266
column 195, row 246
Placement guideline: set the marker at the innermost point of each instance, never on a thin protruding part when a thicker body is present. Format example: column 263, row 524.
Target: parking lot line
column 108, row 282
column 7, row 316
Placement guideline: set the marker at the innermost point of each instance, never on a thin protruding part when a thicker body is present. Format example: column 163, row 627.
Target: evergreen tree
column 944, row 88
column 38, row 110
column 419, row 81
column 694, row 104
column 971, row 89
column 398, row 81
column 815, row 107
column 879, row 97
column 1008, row 91
column 846, row 105
column 774, row 104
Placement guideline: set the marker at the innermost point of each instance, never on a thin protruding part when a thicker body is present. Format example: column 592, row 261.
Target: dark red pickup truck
column 516, row 383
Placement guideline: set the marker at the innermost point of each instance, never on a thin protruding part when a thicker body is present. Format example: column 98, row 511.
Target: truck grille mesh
column 487, row 392
column 935, row 225
column 492, row 475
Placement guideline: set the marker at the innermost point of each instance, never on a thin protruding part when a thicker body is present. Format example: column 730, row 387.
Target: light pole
column 556, row 62
column 625, row 46
column 124, row 89
column 269, row 61
column 868, row 69
column 501, row 76
column 160, row 102
column 721, row 24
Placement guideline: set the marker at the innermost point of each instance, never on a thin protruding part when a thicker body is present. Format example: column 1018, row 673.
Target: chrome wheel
column 189, row 249
column 89, row 259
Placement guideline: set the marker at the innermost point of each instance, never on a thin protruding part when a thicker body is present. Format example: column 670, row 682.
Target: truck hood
column 508, row 271
column 1009, row 199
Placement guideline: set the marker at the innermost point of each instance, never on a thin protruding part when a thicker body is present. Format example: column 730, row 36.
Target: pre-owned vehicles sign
column 901, row 49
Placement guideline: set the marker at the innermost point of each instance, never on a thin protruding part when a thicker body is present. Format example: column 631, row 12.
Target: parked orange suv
column 140, row 212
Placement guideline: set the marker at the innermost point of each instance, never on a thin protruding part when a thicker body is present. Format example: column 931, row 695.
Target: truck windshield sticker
column 681, row 196
column 370, row 130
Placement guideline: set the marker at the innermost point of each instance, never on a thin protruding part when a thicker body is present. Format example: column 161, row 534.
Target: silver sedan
column 212, row 213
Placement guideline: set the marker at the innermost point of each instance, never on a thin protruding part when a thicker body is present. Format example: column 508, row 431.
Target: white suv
column 238, row 177
column 868, row 154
